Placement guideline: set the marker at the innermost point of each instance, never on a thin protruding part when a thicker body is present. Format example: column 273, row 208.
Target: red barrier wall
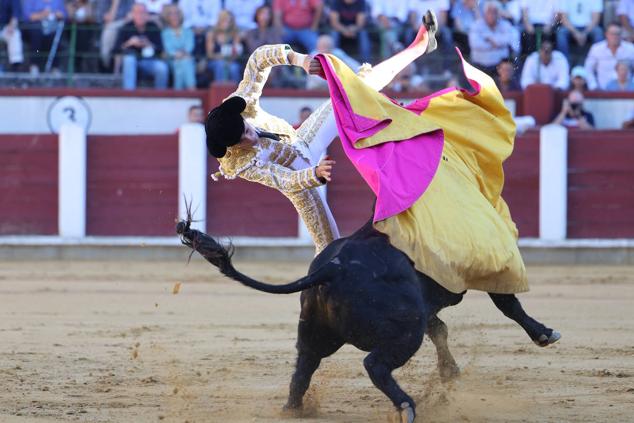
column 132, row 185
column 28, row 184
column 601, row 184
column 241, row 208
column 521, row 183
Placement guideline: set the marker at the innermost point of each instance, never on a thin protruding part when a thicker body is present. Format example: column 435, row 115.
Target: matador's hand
column 324, row 169
column 315, row 68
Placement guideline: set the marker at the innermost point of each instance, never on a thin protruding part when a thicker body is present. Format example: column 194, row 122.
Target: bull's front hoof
column 406, row 414
column 448, row 372
column 294, row 411
column 545, row 340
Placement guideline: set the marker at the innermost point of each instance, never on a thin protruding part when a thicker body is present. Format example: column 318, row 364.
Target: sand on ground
column 111, row 342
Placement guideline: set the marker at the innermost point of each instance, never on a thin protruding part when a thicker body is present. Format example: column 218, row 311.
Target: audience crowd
column 186, row 44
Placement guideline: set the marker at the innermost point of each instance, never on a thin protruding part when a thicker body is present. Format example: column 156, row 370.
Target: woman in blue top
column 178, row 43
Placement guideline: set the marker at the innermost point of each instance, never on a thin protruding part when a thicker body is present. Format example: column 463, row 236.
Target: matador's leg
column 425, row 42
column 378, row 77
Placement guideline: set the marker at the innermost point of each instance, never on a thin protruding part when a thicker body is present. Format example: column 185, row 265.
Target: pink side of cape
column 398, row 172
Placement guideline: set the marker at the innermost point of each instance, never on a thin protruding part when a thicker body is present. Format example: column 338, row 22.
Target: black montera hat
column 224, row 126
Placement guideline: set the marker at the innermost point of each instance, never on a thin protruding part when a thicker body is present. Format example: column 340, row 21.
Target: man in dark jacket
column 10, row 11
column 139, row 41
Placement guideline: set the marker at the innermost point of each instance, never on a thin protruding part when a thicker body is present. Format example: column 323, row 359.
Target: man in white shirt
column 199, row 15
column 492, row 39
column 546, row 67
column 390, row 17
column 538, row 17
column 625, row 12
column 579, row 21
column 244, row 12
column 603, row 56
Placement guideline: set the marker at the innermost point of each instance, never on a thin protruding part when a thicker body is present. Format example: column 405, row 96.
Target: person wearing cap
column 579, row 79
column 254, row 145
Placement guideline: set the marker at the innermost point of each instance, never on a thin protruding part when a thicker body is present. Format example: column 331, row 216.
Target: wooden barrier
column 28, row 184
column 601, row 184
column 132, row 185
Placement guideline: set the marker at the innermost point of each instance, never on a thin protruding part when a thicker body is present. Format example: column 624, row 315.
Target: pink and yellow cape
column 435, row 167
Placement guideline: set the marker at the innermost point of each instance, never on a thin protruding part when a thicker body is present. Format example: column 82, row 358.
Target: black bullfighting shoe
column 431, row 23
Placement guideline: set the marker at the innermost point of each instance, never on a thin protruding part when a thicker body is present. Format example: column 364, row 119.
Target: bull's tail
column 220, row 257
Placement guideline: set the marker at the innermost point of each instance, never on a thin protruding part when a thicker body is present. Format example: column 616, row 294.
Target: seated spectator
column 580, row 22
column 326, row 45
column 155, row 7
column 224, row 48
column 42, row 18
column 603, row 56
column 112, row 14
column 243, row 12
column 82, row 13
column 623, row 80
column 265, row 32
column 546, row 67
column 538, row 20
column 573, row 115
column 10, row 11
column 299, row 21
column 505, row 78
column 196, row 114
column 348, row 20
column 464, row 13
column 579, row 79
column 200, row 16
column 492, row 39
column 418, row 8
column 140, row 44
column 390, row 19
column 511, row 11
column 625, row 13
column 178, row 43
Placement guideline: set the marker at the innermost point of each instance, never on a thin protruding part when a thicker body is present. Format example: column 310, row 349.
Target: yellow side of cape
column 369, row 103
column 460, row 231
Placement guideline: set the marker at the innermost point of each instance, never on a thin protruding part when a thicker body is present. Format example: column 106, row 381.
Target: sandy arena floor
column 110, row 342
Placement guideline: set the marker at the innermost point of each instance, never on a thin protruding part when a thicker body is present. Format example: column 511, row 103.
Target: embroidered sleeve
column 257, row 71
column 282, row 178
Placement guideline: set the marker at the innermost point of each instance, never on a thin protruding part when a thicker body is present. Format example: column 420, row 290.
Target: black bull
column 363, row 291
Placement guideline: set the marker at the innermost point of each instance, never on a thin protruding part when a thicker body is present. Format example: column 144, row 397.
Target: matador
column 257, row 146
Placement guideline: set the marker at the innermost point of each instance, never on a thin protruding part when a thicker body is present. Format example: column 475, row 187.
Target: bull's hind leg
column 437, row 331
column 313, row 344
column 380, row 364
column 511, row 307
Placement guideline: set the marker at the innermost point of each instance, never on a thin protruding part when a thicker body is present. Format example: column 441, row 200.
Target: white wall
column 109, row 115
column 610, row 113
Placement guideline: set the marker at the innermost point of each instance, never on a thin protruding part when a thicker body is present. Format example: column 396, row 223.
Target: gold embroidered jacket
column 282, row 165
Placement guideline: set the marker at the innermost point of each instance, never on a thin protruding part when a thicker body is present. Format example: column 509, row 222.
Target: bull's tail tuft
column 214, row 252
column 220, row 256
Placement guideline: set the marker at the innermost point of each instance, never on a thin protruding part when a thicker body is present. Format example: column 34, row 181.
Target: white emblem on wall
column 68, row 109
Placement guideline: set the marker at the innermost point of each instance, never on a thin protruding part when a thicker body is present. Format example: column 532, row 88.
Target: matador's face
column 249, row 136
